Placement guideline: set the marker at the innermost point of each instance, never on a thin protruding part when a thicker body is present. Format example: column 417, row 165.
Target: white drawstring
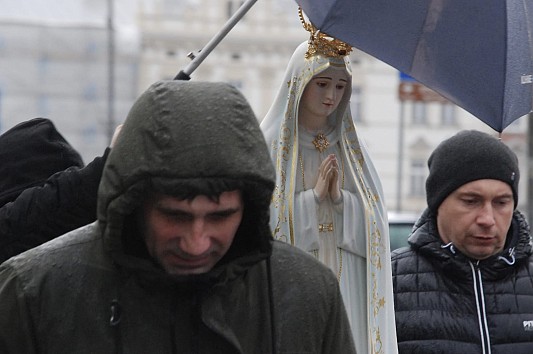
column 511, row 254
column 450, row 246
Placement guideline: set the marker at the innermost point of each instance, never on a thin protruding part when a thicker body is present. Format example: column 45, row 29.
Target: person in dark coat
column 45, row 188
column 181, row 258
column 464, row 285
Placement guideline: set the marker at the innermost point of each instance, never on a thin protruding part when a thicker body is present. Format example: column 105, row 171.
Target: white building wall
column 61, row 72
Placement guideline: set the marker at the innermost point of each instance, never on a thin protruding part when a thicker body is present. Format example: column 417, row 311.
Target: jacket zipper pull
column 116, row 313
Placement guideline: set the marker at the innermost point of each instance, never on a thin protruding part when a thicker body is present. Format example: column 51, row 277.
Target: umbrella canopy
column 476, row 53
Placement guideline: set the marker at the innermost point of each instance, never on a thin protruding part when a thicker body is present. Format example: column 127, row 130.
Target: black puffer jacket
column 447, row 303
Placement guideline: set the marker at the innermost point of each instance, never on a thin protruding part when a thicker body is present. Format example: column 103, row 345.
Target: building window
column 91, row 49
column 2, row 44
column 419, row 113
column 90, row 134
column 43, row 64
column 43, row 105
column 417, row 178
column 1, row 116
column 356, row 104
column 90, row 92
column 448, row 115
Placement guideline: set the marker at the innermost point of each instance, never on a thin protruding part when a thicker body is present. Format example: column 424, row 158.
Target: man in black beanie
column 464, row 284
column 45, row 189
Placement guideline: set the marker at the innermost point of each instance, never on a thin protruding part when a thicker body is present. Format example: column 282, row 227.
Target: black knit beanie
column 465, row 157
column 30, row 152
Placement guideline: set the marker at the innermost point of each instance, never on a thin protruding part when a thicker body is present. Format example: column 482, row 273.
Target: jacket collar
column 426, row 240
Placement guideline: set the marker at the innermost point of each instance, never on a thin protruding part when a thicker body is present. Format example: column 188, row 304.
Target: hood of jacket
column 425, row 239
column 173, row 135
column 30, row 153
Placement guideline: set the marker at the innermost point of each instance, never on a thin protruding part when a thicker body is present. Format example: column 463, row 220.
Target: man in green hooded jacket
column 181, row 258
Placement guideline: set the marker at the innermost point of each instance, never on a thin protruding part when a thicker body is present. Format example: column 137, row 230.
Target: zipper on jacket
column 480, row 306
column 114, row 321
column 196, row 321
column 271, row 304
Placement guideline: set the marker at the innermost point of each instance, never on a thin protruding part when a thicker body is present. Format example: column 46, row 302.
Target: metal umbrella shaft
column 197, row 59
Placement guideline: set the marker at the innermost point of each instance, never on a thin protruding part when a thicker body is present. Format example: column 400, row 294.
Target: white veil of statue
column 349, row 235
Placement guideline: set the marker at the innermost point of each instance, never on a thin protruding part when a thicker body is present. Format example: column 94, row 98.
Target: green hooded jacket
column 96, row 290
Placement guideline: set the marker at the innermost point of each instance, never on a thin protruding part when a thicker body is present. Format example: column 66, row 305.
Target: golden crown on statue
column 322, row 43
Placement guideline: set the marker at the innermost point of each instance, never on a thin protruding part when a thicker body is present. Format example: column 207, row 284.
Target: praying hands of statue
column 327, row 183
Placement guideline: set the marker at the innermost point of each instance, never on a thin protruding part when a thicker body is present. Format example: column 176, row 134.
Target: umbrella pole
column 204, row 52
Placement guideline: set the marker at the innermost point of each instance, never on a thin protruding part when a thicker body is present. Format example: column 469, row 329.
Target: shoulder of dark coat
column 301, row 265
column 62, row 251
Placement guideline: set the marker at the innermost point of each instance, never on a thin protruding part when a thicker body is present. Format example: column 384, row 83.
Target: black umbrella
column 476, row 53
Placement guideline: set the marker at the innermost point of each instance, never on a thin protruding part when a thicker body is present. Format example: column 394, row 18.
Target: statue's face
column 322, row 95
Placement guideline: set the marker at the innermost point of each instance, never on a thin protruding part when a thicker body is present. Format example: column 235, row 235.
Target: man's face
column 191, row 236
column 476, row 217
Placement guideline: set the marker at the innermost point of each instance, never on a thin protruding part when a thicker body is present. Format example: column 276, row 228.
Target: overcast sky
column 84, row 11
column 70, row 11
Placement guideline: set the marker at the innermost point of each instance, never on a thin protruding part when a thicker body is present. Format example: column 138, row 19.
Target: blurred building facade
column 60, row 72
column 253, row 57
